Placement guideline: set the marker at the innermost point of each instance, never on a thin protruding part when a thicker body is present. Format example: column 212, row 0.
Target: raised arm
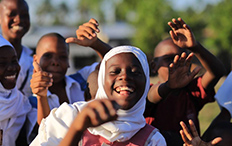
column 183, row 37
column 87, row 36
column 179, row 77
column 94, row 114
column 192, row 138
column 39, row 84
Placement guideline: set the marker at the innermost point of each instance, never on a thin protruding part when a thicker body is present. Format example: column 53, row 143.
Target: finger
column 172, row 25
column 216, row 141
column 184, row 138
column 181, row 21
column 186, row 131
column 92, row 20
column 36, row 66
column 173, row 35
column 189, row 59
column 171, row 68
column 193, row 128
column 92, row 25
column 178, row 23
column 72, row 40
column 176, row 61
column 194, row 72
column 86, row 32
column 182, row 59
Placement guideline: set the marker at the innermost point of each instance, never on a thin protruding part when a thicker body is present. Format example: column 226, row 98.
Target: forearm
column 101, row 48
column 211, row 63
column 72, row 137
column 43, row 108
column 159, row 92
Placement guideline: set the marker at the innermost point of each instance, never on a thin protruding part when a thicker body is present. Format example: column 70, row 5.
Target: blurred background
column 142, row 23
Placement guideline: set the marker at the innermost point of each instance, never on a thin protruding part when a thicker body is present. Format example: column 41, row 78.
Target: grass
column 208, row 112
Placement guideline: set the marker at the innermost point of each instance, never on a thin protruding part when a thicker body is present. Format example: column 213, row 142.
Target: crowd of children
column 110, row 102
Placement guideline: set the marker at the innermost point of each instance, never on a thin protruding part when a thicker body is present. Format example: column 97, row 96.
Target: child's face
column 14, row 19
column 163, row 56
column 52, row 56
column 9, row 67
column 124, row 80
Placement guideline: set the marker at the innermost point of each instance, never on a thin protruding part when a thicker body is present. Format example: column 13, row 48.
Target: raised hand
column 181, row 34
column 179, row 74
column 192, row 138
column 96, row 113
column 86, row 34
column 40, row 81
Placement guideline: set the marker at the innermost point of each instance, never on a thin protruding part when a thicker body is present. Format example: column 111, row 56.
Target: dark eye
column 115, row 71
column 12, row 14
column 64, row 57
column 136, row 72
column 47, row 55
column 3, row 64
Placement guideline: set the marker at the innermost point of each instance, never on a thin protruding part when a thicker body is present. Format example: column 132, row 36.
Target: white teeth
column 124, row 88
column 10, row 77
column 17, row 27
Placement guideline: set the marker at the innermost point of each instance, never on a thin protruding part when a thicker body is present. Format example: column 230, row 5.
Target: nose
column 13, row 67
column 55, row 61
column 16, row 18
column 126, row 75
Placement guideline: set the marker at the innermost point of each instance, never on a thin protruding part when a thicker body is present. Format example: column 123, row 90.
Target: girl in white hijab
column 14, row 106
column 123, row 82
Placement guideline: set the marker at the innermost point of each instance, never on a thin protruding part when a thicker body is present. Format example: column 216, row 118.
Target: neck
column 18, row 47
column 56, row 86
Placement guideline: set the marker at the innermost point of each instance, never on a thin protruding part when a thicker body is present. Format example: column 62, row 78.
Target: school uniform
column 129, row 122
column 14, row 107
column 25, row 74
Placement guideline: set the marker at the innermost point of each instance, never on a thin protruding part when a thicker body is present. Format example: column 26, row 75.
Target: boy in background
column 179, row 97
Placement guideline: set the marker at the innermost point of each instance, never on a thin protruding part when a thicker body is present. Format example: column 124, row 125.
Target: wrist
column 196, row 46
column 164, row 90
column 95, row 44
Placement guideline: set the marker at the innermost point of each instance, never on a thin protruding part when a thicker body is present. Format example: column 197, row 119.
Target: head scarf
column 14, row 107
column 129, row 121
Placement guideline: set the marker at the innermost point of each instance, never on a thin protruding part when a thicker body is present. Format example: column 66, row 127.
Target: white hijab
column 13, row 109
column 129, row 121
column 54, row 127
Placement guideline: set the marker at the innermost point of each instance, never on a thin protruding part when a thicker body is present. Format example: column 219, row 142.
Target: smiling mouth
column 17, row 28
column 124, row 90
column 11, row 77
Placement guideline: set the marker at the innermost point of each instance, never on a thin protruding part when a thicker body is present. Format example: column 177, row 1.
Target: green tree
column 220, row 30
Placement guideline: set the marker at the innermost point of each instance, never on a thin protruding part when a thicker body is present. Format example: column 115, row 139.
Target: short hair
column 54, row 34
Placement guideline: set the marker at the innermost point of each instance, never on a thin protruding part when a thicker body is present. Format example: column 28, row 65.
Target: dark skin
column 15, row 22
column 9, row 67
column 192, row 138
column 51, row 63
column 183, row 37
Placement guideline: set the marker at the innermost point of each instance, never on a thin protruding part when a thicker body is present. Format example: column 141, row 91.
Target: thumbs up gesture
column 40, row 81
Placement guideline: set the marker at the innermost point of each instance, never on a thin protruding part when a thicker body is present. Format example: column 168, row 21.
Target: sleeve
column 85, row 71
column 53, row 128
column 224, row 94
column 157, row 140
column 201, row 96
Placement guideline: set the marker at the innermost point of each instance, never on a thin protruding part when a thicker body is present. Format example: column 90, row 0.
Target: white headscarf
column 129, row 121
column 13, row 109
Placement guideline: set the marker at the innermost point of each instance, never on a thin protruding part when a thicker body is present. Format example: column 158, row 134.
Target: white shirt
column 73, row 91
column 25, row 63
column 54, row 128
